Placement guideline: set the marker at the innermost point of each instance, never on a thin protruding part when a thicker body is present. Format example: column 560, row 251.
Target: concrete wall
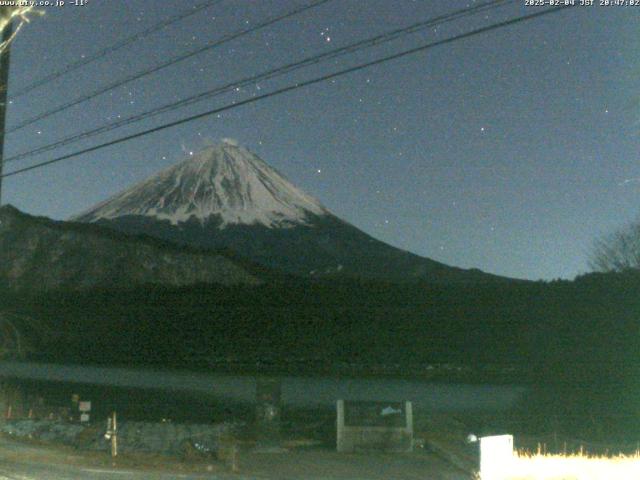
column 352, row 438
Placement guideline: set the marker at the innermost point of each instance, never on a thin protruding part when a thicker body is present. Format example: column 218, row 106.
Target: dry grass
column 581, row 466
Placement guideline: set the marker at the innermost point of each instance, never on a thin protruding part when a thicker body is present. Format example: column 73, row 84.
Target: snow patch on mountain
column 231, row 142
column 224, row 182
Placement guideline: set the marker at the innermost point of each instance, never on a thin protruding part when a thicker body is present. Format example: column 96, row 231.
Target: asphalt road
column 19, row 461
column 39, row 471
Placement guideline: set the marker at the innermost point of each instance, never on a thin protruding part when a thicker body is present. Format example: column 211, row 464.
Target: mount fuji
column 227, row 197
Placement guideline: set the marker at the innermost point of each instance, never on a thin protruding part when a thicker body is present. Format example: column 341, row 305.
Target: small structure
column 386, row 426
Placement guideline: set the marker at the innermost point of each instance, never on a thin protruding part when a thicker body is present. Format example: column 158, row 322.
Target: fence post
column 340, row 440
column 114, row 436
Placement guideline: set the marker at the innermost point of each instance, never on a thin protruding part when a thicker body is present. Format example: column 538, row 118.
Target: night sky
column 510, row 151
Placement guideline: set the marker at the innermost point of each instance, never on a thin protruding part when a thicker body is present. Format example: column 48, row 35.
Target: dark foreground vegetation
column 575, row 343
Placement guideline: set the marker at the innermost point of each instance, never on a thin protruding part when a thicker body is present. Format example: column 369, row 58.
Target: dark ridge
column 156, row 242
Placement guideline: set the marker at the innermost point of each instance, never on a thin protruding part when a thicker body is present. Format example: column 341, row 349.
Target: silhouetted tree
column 619, row 251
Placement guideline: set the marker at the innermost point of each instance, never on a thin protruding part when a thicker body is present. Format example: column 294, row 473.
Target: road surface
column 20, row 461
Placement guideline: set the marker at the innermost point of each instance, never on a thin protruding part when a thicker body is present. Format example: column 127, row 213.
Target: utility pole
column 4, row 86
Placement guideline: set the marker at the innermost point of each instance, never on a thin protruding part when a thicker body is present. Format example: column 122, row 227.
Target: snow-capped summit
column 225, row 182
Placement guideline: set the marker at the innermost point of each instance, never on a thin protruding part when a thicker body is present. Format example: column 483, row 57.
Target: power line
column 112, row 48
column 290, row 88
column 173, row 61
column 312, row 60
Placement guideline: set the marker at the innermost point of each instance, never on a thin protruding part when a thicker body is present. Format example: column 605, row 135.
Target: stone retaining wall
column 164, row 438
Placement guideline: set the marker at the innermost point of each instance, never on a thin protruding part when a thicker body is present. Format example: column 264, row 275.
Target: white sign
column 84, row 417
column 496, row 456
column 84, row 406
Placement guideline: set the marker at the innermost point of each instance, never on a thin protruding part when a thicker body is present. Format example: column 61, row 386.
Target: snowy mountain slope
column 226, row 181
column 227, row 197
